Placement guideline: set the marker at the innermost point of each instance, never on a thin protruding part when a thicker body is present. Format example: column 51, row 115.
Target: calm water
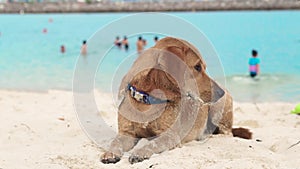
column 31, row 59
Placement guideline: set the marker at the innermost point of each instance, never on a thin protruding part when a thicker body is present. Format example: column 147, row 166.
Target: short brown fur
column 215, row 110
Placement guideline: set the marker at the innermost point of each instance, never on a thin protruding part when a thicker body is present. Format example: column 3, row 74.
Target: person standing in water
column 83, row 48
column 155, row 39
column 62, row 49
column 254, row 64
column 145, row 42
column 118, row 42
column 140, row 44
column 125, row 43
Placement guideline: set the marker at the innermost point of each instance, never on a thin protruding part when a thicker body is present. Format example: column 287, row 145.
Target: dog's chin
column 142, row 107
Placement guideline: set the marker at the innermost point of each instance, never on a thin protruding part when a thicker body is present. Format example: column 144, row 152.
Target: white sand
column 41, row 130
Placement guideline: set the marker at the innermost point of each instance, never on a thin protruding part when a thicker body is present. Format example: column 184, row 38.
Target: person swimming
column 118, row 42
column 254, row 64
column 125, row 43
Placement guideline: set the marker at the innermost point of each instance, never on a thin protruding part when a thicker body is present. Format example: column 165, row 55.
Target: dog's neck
column 144, row 97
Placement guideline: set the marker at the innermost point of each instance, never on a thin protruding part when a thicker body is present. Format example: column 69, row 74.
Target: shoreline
column 193, row 6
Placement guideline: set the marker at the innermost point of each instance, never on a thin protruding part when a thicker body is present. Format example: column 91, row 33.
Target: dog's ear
column 220, row 111
column 217, row 100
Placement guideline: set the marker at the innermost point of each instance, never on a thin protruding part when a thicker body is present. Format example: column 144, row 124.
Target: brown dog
column 168, row 99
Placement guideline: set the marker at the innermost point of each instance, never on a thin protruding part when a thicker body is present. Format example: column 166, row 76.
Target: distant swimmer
column 125, row 43
column 140, row 44
column 118, row 42
column 254, row 64
column 155, row 39
column 62, row 49
column 45, row 30
column 83, row 48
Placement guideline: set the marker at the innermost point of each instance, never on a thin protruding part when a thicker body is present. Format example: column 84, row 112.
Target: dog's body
column 184, row 112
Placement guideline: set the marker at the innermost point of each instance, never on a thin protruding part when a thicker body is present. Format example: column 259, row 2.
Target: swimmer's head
column 84, row 42
column 254, row 53
column 155, row 38
column 125, row 37
column 140, row 38
column 117, row 37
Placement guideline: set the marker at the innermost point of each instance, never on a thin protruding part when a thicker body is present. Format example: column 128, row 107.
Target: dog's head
column 165, row 73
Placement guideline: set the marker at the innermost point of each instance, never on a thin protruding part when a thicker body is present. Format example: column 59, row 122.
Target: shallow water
column 31, row 59
column 264, row 88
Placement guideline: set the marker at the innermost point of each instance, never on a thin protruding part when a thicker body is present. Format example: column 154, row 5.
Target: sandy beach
column 41, row 130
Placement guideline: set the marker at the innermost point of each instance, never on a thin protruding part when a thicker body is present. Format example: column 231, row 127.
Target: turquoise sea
column 31, row 60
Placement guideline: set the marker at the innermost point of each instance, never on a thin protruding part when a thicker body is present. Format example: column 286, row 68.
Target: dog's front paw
column 109, row 157
column 140, row 155
column 136, row 158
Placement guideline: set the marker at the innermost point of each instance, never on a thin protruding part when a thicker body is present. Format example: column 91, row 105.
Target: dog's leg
column 120, row 144
column 162, row 143
column 173, row 136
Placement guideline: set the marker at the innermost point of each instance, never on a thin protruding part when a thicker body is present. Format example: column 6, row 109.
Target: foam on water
column 265, row 87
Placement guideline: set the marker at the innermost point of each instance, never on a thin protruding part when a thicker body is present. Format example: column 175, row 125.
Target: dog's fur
column 177, row 121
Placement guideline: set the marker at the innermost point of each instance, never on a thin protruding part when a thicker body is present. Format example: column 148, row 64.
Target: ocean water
column 31, row 59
